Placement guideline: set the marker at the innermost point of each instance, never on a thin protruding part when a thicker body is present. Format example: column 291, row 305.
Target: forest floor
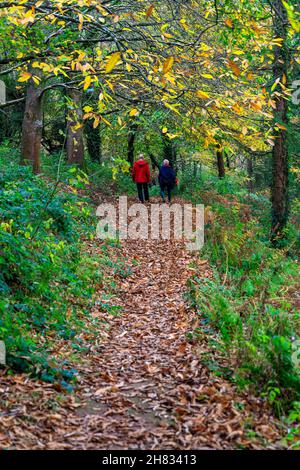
column 142, row 385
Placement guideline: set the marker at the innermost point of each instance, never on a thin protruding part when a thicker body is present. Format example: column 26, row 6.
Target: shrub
column 248, row 301
column 47, row 277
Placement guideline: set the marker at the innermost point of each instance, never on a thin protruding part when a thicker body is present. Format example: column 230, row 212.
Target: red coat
column 141, row 172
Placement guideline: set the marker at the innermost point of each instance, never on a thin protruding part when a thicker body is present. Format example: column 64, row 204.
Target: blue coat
column 166, row 176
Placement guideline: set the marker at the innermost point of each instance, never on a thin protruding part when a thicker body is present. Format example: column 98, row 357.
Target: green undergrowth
column 48, row 276
column 111, row 177
column 247, row 306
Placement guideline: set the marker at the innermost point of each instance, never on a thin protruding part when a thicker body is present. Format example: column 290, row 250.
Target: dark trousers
column 143, row 191
column 165, row 187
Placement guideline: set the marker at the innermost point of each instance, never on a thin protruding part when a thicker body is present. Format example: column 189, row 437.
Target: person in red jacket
column 142, row 177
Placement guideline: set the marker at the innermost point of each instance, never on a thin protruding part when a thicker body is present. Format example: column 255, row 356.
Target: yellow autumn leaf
column 206, row 142
column 202, row 95
column 238, row 52
column 275, row 84
column 172, row 136
column 134, row 112
column 110, row 85
column 105, row 121
column 184, row 24
column 295, row 25
column 76, row 127
column 280, row 126
column 114, row 59
column 168, row 65
column 87, row 115
column 228, row 22
column 173, row 107
column 36, row 79
column 256, row 105
column 24, row 77
column 87, row 82
column 80, row 18
column 237, row 108
column 96, row 122
column 87, row 109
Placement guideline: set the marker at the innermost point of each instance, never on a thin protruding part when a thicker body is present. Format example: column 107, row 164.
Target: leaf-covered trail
column 142, row 386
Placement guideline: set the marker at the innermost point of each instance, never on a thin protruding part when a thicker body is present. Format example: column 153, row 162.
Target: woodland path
column 142, row 385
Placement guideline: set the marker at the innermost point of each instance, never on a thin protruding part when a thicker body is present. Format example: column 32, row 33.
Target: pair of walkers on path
column 141, row 175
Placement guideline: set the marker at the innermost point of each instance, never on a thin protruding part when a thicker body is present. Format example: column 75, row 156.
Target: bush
column 248, row 301
column 47, row 278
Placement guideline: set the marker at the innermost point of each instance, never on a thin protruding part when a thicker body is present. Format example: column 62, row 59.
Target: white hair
column 141, row 156
column 166, row 163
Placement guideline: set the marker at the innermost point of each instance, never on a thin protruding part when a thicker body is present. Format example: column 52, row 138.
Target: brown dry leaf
column 235, row 68
column 141, row 385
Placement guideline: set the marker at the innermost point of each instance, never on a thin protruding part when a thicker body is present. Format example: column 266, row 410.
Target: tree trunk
column 174, row 157
column 250, row 173
column 94, row 143
column 227, row 160
column 195, row 169
column 155, row 163
column 32, row 128
column 170, row 152
column 74, row 144
column 220, row 163
column 131, row 140
column 279, row 189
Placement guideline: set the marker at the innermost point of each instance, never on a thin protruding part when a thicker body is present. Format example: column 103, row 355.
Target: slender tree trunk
column 183, row 165
column 131, row 140
column 195, row 169
column 94, row 142
column 220, row 162
column 279, row 189
column 170, row 152
column 227, row 160
column 250, row 173
column 155, row 163
column 174, row 157
column 74, row 144
column 32, row 128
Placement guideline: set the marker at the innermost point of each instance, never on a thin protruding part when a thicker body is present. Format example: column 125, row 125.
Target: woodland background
column 213, row 86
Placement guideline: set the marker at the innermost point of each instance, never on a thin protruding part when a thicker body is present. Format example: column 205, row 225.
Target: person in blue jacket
column 167, row 180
